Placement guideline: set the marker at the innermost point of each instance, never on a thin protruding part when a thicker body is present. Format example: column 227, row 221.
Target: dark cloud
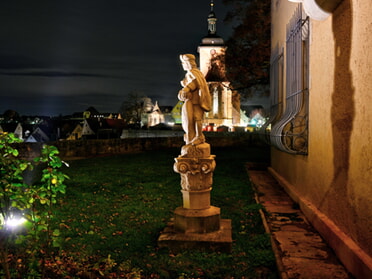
column 13, row 62
column 68, row 49
column 43, row 104
column 51, row 73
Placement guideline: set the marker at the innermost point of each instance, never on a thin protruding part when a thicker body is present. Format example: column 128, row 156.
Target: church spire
column 212, row 39
column 212, row 19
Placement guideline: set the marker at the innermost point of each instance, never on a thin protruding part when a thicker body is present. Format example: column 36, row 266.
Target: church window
column 215, row 101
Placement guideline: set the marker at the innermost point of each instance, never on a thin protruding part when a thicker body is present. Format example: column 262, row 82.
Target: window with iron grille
column 276, row 92
column 290, row 133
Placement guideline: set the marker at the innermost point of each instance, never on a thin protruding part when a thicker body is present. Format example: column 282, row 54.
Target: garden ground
column 116, row 206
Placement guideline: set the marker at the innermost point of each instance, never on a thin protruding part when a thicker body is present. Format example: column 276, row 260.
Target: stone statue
column 196, row 97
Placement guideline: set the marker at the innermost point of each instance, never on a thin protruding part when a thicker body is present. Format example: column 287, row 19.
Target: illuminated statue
column 196, row 97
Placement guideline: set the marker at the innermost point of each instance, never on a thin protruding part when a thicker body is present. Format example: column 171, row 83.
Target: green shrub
column 28, row 246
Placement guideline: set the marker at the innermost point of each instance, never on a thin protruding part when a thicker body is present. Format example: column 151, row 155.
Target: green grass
column 116, row 207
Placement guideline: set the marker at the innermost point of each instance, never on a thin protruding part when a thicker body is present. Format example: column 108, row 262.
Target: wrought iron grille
column 290, row 133
column 276, row 93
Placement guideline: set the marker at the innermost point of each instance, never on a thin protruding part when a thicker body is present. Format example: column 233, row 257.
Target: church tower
column 211, row 55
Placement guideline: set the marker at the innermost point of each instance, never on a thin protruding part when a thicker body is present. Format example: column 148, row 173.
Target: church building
column 225, row 102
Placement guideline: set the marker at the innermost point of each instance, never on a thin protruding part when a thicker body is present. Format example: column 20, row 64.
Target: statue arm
column 184, row 82
column 185, row 93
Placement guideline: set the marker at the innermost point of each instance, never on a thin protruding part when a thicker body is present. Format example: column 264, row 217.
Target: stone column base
column 197, row 221
column 196, row 199
column 217, row 241
column 196, row 224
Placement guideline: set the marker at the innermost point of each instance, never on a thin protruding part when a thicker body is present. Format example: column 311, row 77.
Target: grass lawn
column 115, row 208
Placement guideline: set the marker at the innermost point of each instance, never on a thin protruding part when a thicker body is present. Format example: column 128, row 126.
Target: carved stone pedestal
column 196, row 199
column 197, row 224
column 197, row 221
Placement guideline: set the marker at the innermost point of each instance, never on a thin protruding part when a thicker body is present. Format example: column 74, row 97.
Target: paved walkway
column 299, row 249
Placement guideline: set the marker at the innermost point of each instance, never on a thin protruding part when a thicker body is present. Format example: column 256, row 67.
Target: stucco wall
column 360, row 170
column 336, row 176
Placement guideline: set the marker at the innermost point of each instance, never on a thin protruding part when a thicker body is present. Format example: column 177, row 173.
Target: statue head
column 188, row 61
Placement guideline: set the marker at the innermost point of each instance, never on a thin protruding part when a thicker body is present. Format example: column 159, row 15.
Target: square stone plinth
column 197, row 220
column 218, row 241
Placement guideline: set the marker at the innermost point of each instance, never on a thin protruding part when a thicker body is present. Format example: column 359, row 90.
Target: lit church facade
column 225, row 102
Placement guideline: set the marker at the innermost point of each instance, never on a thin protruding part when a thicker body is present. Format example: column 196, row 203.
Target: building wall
column 222, row 105
column 335, row 178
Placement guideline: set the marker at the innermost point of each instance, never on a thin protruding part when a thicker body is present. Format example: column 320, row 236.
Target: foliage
column 248, row 49
column 11, row 116
column 11, row 180
column 34, row 203
column 132, row 109
column 11, row 184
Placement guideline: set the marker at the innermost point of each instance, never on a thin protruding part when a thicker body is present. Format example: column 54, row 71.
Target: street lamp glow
column 14, row 222
column 15, row 219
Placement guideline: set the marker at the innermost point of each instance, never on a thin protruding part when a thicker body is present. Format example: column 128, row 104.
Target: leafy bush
column 28, row 246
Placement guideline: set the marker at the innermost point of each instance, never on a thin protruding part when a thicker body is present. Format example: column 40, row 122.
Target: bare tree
column 132, row 108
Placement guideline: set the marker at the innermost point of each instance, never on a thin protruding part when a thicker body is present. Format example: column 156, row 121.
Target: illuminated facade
column 225, row 103
column 320, row 106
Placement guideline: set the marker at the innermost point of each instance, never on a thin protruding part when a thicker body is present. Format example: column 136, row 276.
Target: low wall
column 74, row 149
column 91, row 148
column 98, row 147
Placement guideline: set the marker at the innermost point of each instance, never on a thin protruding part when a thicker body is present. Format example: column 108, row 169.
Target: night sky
column 61, row 57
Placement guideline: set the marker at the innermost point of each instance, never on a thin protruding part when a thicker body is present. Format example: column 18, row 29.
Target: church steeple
column 212, row 20
column 212, row 38
column 211, row 63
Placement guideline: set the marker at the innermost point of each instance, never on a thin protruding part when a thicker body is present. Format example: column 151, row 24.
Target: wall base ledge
column 355, row 260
